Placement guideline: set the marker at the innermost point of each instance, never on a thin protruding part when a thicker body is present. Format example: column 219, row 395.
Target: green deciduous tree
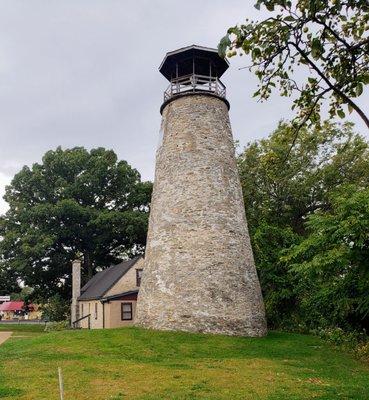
column 332, row 262
column 24, row 294
column 280, row 195
column 56, row 309
column 8, row 280
column 75, row 202
column 330, row 38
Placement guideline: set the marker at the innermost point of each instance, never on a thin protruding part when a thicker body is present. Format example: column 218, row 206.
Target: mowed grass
column 132, row 363
column 39, row 328
column 21, row 331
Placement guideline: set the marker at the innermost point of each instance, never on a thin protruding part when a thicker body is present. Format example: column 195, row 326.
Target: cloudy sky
column 85, row 73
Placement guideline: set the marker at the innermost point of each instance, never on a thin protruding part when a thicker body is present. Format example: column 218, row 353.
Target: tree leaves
column 329, row 41
column 224, row 43
column 341, row 113
column 76, row 201
column 281, row 196
column 317, row 48
column 333, row 258
column 359, row 89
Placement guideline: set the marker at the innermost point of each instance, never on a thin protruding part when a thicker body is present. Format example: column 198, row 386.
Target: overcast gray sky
column 85, row 73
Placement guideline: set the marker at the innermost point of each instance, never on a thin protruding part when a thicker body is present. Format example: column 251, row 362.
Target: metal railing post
column 74, row 323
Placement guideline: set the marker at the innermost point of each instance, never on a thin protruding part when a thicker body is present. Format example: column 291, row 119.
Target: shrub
column 57, row 326
column 56, row 309
column 356, row 342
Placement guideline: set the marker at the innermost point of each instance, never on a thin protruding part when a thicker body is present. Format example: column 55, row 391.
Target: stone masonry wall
column 199, row 268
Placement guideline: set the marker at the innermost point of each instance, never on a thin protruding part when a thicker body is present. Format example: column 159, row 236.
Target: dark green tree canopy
column 332, row 261
column 8, row 281
column 283, row 192
column 325, row 41
column 74, row 202
column 281, row 195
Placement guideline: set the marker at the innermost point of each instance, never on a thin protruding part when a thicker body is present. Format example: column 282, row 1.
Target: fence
column 195, row 83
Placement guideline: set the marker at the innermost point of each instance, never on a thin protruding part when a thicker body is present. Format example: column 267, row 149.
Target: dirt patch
column 4, row 336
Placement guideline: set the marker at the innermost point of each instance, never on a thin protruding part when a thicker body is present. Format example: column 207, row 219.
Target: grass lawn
column 22, row 327
column 132, row 363
column 21, row 331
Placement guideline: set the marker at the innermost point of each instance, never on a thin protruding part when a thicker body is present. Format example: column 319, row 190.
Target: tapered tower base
column 199, row 271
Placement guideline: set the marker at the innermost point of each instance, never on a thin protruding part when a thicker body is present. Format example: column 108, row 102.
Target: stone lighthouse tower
column 199, row 271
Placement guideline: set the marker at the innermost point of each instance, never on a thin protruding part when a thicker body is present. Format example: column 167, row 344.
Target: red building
column 17, row 310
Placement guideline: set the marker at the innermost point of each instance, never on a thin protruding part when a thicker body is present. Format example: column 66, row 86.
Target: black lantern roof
column 193, row 60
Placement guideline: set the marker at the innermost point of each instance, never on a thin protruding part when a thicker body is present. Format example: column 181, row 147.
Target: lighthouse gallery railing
column 195, row 83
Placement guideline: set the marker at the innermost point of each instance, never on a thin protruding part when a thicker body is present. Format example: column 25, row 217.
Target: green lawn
column 131, row 363
column 21, row 331
column 22, row 327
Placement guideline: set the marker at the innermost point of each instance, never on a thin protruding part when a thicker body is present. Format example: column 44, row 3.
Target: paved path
column 4, row 336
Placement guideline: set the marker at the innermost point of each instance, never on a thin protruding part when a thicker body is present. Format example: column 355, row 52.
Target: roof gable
column 98, row 285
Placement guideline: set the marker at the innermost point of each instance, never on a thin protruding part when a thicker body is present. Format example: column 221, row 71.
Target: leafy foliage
column 280, row 196
column 8, row 281
column 75, row 202
column 56, row 309
column 57, row 326
column 329, row 38
column 25, row 294
column 332, row 261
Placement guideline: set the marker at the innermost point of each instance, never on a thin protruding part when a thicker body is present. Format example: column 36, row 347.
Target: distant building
column 10, row 310
column 108, row 300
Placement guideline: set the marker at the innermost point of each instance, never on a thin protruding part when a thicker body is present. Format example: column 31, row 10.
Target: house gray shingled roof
column 98, row 285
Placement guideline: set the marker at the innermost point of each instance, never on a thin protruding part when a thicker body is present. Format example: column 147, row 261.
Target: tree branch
column 334, row 33
column 308, row 115
column 336, row 89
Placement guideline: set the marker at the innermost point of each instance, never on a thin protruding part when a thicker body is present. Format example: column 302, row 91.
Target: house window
column 126, row 311
column 95, row 310
column 82, row 310
column 138, row 277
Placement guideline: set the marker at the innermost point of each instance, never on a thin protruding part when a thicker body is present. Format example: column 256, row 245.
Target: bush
column 57, row 326
column 356, row 342
column 56, row 309
column 362, row 351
